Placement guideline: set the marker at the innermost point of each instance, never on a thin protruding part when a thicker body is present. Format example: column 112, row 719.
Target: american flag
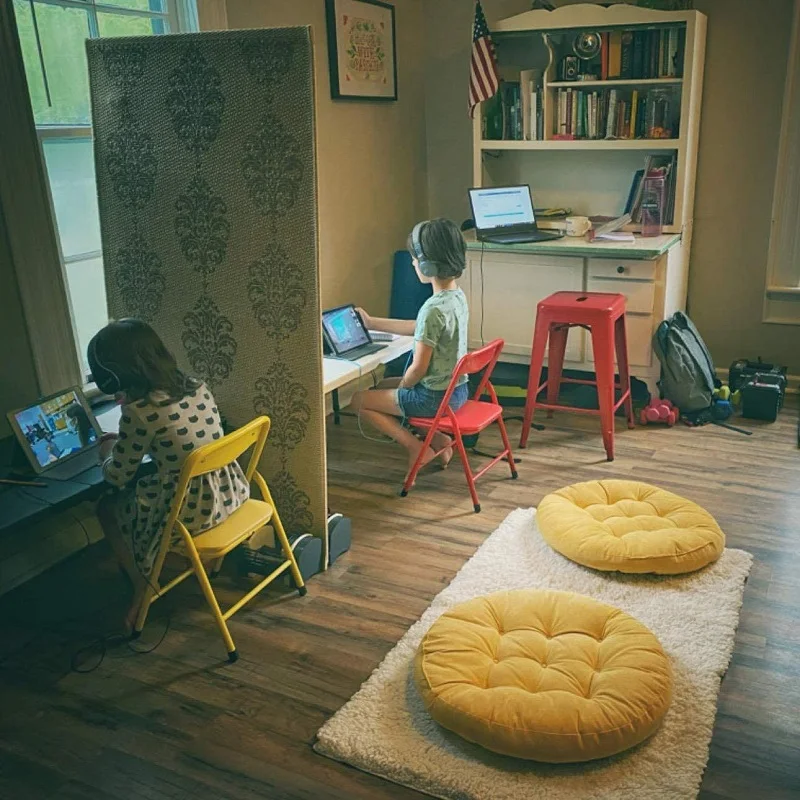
column 483, row 79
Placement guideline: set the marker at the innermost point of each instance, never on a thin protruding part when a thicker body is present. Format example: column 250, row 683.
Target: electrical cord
column 483, row 341
column 104, row 641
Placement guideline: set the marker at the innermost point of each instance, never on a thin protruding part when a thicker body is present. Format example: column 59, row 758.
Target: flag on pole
column 483, row 78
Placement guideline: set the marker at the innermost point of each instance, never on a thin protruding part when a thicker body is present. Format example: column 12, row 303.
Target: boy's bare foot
column 442, row 442
column 412, row 458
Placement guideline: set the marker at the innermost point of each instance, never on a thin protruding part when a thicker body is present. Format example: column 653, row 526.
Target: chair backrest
column 214, row 456
column 484, row 359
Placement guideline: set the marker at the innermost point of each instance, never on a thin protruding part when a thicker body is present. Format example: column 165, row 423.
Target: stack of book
column 616, row 114
column 643, row 54
column 515, row 112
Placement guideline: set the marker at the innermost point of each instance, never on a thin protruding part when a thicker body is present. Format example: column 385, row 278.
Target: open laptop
column 345, row 334
column 59, row 434
column 504, row 215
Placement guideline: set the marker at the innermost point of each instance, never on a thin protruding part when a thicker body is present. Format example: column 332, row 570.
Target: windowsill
column 783, row 291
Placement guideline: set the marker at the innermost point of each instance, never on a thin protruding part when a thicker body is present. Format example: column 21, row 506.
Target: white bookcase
column 592, row 176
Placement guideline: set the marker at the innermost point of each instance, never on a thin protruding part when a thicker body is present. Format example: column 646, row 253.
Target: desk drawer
column 622, row 269
column 639, row 295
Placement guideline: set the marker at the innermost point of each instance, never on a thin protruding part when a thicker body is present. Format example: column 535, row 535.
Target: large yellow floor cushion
column 544, row 675
column 628, row 526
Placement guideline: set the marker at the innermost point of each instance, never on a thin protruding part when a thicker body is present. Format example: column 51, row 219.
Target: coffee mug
column 578, row 226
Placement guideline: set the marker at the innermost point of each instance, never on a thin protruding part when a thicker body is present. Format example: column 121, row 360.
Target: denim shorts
column 419, row 401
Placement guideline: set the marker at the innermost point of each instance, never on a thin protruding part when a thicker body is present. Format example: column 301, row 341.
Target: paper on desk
column 615, row 236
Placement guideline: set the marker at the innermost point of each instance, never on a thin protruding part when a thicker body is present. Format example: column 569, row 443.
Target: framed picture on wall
column 361, row 50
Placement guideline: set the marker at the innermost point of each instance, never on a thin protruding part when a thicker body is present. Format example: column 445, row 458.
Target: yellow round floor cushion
column 544, row 675
column 628, row 526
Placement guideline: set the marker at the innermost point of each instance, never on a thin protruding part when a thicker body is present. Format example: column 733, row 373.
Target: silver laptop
column 504, row 215
column 59, row 434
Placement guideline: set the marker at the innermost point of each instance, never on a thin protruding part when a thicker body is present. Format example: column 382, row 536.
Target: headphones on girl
column 106, row 379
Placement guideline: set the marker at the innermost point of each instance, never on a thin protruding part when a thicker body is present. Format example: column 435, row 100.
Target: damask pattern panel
column 204, row 151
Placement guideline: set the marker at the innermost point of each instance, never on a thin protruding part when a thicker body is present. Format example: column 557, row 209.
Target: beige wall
column 371, row 156
column 747, row 52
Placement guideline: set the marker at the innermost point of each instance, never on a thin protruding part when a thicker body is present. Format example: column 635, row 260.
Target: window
column 782, row 301
column 52, row 35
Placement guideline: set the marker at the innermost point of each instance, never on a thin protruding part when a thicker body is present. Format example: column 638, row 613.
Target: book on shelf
column 624, row 113
column 530, row 89
column 640, row 54
column 654, row 167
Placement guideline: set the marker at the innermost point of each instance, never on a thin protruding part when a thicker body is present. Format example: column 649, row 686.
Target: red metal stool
column 603, row 315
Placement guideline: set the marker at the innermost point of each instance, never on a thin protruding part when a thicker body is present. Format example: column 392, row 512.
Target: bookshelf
column 639, row 97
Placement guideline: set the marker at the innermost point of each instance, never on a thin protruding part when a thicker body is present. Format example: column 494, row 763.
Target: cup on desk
column 578, row 226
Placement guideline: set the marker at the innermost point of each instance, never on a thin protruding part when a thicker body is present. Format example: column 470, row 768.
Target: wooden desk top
column 643, row 249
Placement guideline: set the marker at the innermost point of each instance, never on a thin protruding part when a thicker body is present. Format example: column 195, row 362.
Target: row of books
column 616, row 114
column 665, row 167
column 515, row 112
column 642, row 54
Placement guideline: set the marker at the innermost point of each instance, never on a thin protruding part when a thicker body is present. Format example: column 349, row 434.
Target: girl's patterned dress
column 168, row 431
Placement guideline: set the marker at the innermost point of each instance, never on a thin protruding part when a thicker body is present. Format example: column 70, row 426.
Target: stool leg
column 621, row 344
column 555, row 362
column 534, row 375
column 603, row 346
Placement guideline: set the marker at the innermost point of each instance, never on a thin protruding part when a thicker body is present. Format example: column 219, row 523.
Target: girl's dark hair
column 128, row 356
column 442, row 242
column 76, row 412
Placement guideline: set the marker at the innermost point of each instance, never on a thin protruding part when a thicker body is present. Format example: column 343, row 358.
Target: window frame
column 180, row 16
column 781, row 299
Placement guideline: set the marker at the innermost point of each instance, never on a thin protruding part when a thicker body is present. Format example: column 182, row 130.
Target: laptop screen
column 56, row 428
column 501, row 206
column 344, row 329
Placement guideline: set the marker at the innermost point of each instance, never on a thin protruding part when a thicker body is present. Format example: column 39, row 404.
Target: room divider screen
column 205, row 162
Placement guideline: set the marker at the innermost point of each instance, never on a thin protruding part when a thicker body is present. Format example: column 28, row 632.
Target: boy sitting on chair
column 438, row 252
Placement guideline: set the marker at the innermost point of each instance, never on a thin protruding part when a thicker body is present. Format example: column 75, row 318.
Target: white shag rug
column 385, row 730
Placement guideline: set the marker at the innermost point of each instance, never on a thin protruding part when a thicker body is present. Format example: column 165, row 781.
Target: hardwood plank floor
column 181, row 722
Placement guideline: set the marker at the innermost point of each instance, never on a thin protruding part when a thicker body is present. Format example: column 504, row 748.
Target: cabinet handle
column 620, row 270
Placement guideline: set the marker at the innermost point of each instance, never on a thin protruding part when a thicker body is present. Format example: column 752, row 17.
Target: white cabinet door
column 639, row 329
column 504, row 291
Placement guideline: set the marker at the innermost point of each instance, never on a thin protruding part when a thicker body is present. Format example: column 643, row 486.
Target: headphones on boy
column 428, row 267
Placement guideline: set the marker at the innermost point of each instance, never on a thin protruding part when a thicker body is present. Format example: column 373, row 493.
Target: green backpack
column 688, row 377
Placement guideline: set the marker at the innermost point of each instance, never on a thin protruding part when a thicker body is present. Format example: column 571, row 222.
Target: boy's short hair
column 442, row 243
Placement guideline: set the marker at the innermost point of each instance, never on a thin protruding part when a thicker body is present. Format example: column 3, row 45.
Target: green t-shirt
column 442, row 324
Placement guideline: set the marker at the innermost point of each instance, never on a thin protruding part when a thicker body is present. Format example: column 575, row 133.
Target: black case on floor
column 762, row 397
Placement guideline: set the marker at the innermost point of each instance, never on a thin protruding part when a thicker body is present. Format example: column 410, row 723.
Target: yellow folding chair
column 215, row 543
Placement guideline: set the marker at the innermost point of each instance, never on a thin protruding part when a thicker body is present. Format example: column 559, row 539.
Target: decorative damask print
column 208, row 341
column 277, row 293
column 131, row 163
column 201, row 226
column 285, row 402
column 268, row 62
column 293, row 503
column 272, row 166
column 123, row 64
column 195, row 101
column 139, row 278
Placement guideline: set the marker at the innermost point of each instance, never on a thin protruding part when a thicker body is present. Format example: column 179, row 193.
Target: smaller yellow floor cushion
column 628, row 526
column 544, row 675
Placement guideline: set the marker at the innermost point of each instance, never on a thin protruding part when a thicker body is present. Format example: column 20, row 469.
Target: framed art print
column 361, row 50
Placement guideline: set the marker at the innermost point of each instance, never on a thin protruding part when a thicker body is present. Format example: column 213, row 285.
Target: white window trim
column 782, row 295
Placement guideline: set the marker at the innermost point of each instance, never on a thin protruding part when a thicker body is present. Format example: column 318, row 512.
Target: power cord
column 104, row 641
column 483, row 341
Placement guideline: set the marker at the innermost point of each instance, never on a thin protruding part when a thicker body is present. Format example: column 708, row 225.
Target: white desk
column 337, row 372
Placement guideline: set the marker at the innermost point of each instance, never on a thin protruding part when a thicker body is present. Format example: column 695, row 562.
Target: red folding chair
column 473, row 417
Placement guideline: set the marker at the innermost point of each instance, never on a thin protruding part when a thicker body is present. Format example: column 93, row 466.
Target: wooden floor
column 181, row 722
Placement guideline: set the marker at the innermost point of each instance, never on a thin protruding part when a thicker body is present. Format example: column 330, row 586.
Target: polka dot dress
column 169, row 431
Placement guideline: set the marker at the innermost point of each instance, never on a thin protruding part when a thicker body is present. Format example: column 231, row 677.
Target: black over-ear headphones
column 428, row 267
column 106, row 379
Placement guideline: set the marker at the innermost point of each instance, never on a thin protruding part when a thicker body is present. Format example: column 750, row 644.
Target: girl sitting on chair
column 166, row 415
column 438, row 253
